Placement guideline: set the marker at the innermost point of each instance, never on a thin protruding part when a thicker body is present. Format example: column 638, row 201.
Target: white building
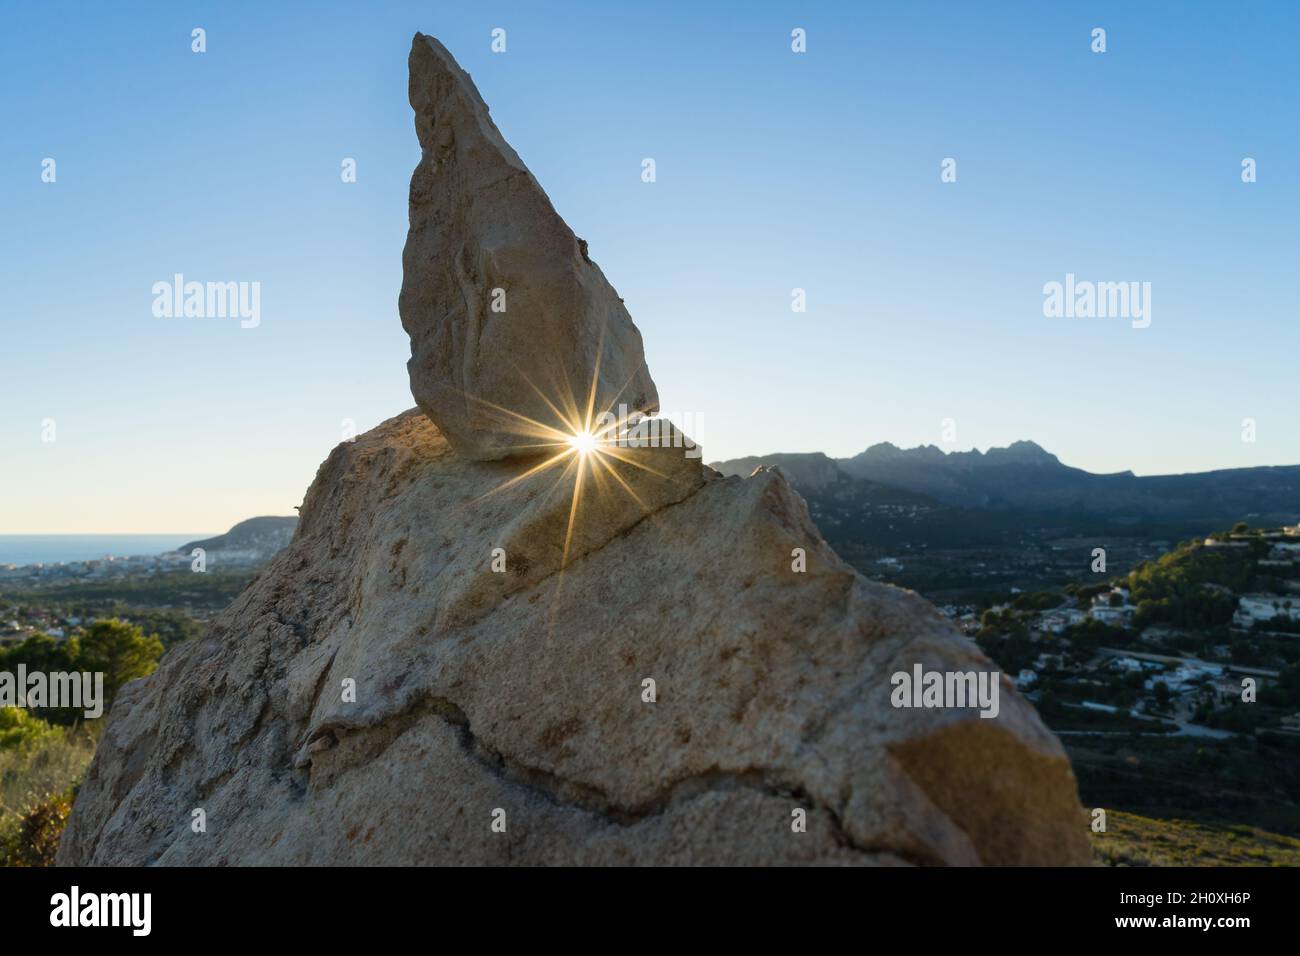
column 1185, row 675
column 1265, row 607
column 1117, row 616
column 1133, row 665
column 1056, row 621
column 1047, row 661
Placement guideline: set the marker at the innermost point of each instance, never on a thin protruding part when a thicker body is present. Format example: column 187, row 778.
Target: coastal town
column 107, row 568
column 1166, row 649
column 174, row 592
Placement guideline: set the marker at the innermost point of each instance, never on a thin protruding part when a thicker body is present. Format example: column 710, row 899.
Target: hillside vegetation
column 1132, row 840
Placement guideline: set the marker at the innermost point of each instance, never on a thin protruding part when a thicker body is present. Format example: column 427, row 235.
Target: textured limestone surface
column 523, row 691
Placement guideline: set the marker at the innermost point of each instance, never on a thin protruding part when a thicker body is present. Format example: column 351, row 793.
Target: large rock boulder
column 524, row 691
column 515, row 333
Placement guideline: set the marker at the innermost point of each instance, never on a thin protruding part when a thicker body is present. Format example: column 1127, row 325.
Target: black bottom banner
column 333, row 905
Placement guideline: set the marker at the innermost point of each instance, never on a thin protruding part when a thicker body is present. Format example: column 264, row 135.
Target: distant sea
column 51, row 548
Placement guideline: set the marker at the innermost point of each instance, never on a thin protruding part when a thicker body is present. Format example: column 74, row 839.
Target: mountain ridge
column 1024, row 475
column 265, row 534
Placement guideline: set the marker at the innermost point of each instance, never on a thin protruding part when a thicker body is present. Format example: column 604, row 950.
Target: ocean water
column 51, row 548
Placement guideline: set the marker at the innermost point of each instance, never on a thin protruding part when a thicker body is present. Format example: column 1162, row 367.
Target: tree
column 1048, row 703
column 1161, row 690
column 40, row 652
column 120, row 650
column 1286, row 693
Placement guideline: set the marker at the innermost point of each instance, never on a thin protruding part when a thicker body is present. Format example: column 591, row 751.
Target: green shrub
column 35, row 839
column 37, row 777
column 20, row 731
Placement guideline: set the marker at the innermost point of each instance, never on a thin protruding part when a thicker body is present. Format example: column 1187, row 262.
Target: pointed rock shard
column 515, row 333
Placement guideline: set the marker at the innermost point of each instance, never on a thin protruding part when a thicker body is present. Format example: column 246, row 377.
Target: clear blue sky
column 775, row 171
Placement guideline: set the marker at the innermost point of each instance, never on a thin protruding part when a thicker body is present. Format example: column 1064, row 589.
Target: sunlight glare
column 583, row 442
